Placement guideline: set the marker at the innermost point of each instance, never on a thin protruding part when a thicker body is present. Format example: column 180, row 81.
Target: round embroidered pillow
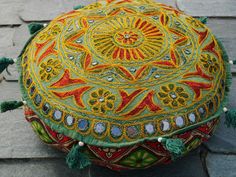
column 125, row 84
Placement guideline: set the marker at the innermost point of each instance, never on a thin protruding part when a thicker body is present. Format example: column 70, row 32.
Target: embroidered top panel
column 118, row 72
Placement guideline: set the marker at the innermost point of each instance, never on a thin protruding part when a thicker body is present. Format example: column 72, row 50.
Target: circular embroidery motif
column 127, row 38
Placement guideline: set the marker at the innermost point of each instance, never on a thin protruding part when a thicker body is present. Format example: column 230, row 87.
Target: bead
column 167, row 58
column 179, row 121
column 192, row 117
column 48, row 69
column 79, row 41
column 57, row 115
column 149, row 128
column 177, row 23
column 70, row 29
column 132, row 131
column 94, row 63
column 28, row 82
column 83, row 124
column 110, row 79
column 81, row 143
column 175, row 37
column 69, row 120
column 202, row 111
column 132, row 69
column 155, row 17
column 173, row 95
column 142, row 7
column 160, row 139
column 116, row 131
column 71, row 57
column 126, row 36
column 187, row 52
column 165, row 125
column 37, row 100
column 225, row 109
column 101, row 99
column 99, row 127
column 46, row 108
column 32, row 90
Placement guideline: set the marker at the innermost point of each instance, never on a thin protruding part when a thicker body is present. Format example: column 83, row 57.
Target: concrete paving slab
column 6, row 36
column 221, row 165
column 38, row 168
column 48, row 9
column 9, row 12
column 210, row 8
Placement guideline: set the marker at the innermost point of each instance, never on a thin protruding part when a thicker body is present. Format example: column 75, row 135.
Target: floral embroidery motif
column 39, row 129
column 139, row 159
column 210, row 63
column 193, row 145
column 102, row 100
column 109, row 151
column 173, row 96
column 127, row 37
column 49, row 69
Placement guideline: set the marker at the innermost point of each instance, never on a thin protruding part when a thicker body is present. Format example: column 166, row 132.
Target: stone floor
column 23, row 155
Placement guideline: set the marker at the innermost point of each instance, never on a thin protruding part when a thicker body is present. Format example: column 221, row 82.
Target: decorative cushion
column 124, row 78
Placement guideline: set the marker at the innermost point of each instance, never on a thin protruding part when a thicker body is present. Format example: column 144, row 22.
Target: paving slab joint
column 203, row 154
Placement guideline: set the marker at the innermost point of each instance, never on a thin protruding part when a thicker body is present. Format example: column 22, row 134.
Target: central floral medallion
column 127, row 39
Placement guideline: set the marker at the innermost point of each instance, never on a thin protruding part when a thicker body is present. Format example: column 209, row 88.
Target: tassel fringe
column 76, row 159
column 203, row 19
column 174, row 146
column 78, row 7
column 11, row 105
column 5, row 62
column 230, row 118
column 34, row 27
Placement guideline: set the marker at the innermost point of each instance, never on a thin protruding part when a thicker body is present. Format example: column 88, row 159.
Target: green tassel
column 174, row 146
column 230, row 118
column 10, row 105
column 78, row 7
column 34, row 27
column 203, row 19
column 76, row 159
column 4, row 63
